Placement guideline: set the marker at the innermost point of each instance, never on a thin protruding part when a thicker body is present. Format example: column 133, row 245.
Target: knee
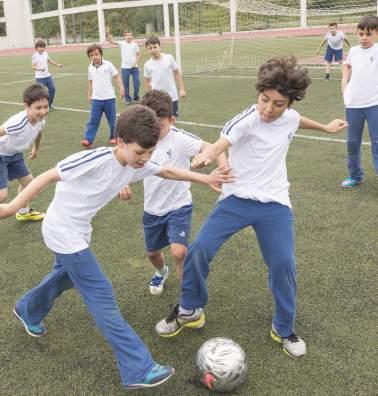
column 179, row 252
column 154, row 255
column 284, row 265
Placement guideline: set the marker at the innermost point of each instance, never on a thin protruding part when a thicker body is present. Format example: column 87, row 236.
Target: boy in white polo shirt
column 86, row 182
column 40, row 64
column 130, row 57
column 168, row 203
column 258, row 140
column 17, row 134
column 334, row 51
column 161, row 71
column 101, row 94
column 360, row 89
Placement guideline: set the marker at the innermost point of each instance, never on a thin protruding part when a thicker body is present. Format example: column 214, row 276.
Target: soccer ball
column 222, row 364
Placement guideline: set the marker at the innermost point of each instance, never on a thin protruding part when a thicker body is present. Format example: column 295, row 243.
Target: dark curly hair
column 286, row 76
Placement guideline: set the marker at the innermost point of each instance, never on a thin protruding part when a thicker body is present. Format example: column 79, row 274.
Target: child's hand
column 218, row 176
column 89, row 98
column 200, row 160
column 33, row 154
column 182, row 93
column 126, row 193
column 60, row 65
column 336, row 126
column 122, row 92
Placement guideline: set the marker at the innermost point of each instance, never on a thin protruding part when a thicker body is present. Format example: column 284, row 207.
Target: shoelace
column 156, row 280
column 173, row 315
column 293, row 338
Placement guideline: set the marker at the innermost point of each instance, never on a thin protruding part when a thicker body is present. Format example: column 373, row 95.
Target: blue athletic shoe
column 38, row 330
column 156, row 376
column 349, row 182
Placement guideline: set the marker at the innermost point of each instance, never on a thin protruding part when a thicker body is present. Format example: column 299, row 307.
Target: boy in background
column 168, row 203
column 17, row 134
column 359, row 85
column 101, row 94
column 258, row 140
column 334, row 51
column 40, row 64
column 130, row 57
column 161, row 71
column 86, row 182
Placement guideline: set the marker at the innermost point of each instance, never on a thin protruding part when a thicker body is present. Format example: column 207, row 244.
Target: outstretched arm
column 348, row 42
column 29, row 192
column 320, row 46
column 109, row 36
column 333, row 127
column 221, row 159
column 215, row 179
column 210, row 153
column 54, row 63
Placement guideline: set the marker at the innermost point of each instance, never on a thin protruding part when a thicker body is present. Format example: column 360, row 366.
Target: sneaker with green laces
column 38, row 330
column 176, row 321
column 156, row 376
column 32, row 215
column 292, row 345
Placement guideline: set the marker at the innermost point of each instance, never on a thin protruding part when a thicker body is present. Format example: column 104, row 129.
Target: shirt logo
column 182, row 234
column 169, row 153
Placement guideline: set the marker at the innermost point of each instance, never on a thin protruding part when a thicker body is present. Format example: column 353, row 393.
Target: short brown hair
column 332, row 24
column 138, row 125
column 127, row 31
column 159, row 101
column 35, row 92
column 286, row 76
column 369, row 23
column 93, row 48
column 40, row 43
column 152, row 40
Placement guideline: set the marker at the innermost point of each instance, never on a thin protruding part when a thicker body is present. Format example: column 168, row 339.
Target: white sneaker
column 157, row 283
column 292, row 345
column 175, row 322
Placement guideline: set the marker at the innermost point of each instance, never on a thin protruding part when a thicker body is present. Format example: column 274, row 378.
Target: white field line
column 219, row 127
column 33, row 80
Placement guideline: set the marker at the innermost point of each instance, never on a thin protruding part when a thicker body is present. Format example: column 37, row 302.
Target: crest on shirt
column 169, row 153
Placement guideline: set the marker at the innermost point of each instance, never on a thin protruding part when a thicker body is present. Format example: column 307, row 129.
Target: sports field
column 337, row 234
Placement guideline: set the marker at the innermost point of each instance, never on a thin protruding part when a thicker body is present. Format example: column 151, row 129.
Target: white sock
column 184, row 311
column 23, row 211
column 163, row 271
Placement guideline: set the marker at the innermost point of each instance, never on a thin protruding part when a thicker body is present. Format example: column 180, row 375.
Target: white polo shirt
column 129, row 52
column 19, row 134
column 257, row 156
column 41, row 61
column 101, row 77
column 89, row 180
column 160, row 71
column 336, row 42
column 362, row 88
column 162, row 196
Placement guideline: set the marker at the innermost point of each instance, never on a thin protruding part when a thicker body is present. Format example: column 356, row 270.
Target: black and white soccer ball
column 222, row 364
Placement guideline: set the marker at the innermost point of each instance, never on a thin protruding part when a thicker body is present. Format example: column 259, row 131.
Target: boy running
column 161, row 71
column 86, row 182
column 17, row 134
column 130, row 57
column 360, row 89
column 40, row 64
column 258, row 140
column 168, row 203
column 101, row 94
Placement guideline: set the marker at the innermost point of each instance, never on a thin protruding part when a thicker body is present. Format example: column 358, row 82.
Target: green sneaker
column 349, row 182
column 38, row 330
column 156, row 376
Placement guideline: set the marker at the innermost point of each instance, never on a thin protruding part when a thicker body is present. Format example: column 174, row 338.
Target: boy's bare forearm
column 179, row 80
column 173, row 173
column 147, row 84
column 29, row 192
column 332, row 127
column 347, row 70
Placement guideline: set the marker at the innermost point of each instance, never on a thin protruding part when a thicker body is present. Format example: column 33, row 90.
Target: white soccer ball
column 222, row 364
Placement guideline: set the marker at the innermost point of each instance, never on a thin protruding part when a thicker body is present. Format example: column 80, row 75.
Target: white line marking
column 308, row 137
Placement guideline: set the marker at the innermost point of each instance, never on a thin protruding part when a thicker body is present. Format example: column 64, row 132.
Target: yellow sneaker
column 32, row 215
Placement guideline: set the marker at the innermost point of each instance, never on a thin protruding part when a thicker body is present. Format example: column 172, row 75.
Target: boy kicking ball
column 86, row 182
column 258, row 140
column 17, row 134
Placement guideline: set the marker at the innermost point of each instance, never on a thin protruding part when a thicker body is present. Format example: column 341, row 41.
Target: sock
column 163, row 271
column 183, row 311
column 23, row 211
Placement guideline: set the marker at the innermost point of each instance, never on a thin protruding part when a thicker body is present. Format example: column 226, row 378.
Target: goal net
column 219, row 34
